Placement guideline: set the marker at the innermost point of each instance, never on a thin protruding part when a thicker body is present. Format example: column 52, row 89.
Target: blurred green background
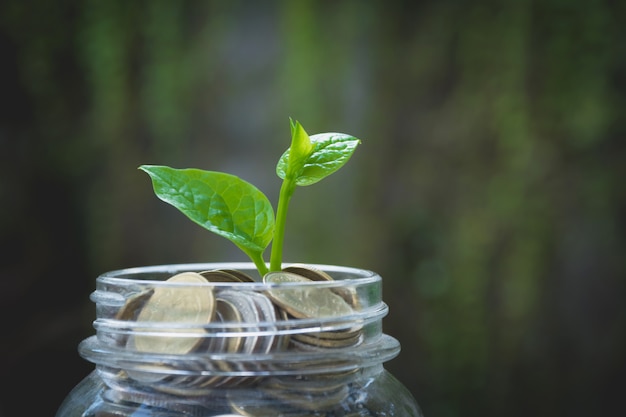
column 488, row 191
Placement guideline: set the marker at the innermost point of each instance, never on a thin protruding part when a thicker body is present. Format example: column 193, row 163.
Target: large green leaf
column 219, row 202
column 331, row 151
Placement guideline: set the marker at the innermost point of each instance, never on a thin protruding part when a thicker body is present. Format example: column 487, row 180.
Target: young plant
column 237, row 210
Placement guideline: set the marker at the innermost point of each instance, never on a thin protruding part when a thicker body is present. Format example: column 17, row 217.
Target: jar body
column 313, row 364
column 376, row 395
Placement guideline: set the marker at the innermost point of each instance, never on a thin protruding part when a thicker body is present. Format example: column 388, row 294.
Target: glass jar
column 257, row 348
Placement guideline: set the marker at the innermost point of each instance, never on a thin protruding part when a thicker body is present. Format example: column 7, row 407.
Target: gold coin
column 315, row 274
column 133, row 304
column 309, row 272
column 129, row 311
column 191, row 305
column 226, row 275
column 242, row 276
column 350, row 296
column 305, row 301
column 351, row 333
column 314, row 340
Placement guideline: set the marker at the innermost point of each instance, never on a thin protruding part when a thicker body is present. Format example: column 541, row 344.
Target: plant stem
column 257, row 258
column 260, row 265
column 286, row 191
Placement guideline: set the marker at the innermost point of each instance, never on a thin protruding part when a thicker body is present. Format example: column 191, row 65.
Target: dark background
column 488, row 192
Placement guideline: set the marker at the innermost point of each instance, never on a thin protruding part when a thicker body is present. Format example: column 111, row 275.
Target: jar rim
column 129, row 275
column 116, row 288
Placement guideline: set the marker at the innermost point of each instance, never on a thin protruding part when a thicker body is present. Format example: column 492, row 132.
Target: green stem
column 260, row 264
column 286, row 191
column 257, row 258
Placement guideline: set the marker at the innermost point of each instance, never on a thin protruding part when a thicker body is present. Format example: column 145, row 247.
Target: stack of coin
column 317, row 391
column 176, row 320
column 311, row 302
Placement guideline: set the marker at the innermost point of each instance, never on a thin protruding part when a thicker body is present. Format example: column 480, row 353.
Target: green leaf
column 300, row 149
column 330, row 152
column 222, row 203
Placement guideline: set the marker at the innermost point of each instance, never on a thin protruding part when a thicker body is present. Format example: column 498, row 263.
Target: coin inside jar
column 133, row 305
column 248, row 312
column 315, row 274
column 177, row 304
column 305, row 301
column 309, row 272
column 228, row 313
column 226, row 275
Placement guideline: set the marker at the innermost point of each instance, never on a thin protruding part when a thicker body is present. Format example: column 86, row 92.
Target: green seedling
column 237, row 210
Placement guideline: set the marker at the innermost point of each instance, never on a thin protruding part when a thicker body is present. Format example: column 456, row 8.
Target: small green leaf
column 292, row 124
column 222, row 203
column 330, row 152
column 300, row 149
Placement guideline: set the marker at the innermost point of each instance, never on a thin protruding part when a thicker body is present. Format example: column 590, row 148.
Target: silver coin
column 248, row 311
column 228, row 313
column 267, row 316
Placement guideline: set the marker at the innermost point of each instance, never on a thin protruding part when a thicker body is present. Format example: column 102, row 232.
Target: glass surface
column 198, row 348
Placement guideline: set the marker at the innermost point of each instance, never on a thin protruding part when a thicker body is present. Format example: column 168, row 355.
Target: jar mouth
column 155, row 274
column 193, row 335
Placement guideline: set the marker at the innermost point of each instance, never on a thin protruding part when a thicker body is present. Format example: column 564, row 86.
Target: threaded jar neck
column 187, row 336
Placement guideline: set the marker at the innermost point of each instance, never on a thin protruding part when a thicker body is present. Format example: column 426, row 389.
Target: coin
column 228, row 313
column 226, row 275
column 133, row 402
column 310, row 400
column 242, row 276
column 149, row 373
column 309, row 272
column 248, row 311
column 314, row 340
column 281, row 339
column 314, row 274
column 133, row 305
column 305, row 301
column 350, row 333
column 128, row 312
column 190, row 305
column 311, row 383
column 267, row 316
column 275, row 409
